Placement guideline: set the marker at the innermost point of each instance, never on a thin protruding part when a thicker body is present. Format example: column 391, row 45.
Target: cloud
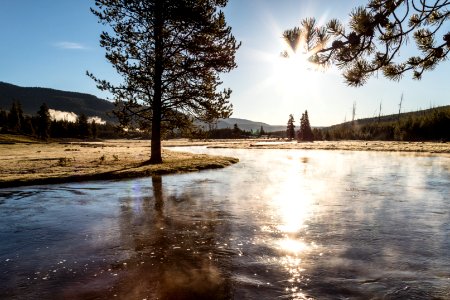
column 70, row 45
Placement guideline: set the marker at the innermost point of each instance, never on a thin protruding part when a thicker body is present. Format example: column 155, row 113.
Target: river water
column 280, row 224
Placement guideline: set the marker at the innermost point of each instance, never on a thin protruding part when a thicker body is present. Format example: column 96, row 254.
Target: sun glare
column 294, row 73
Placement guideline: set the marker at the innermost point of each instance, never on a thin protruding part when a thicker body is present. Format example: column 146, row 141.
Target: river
column 280, row 224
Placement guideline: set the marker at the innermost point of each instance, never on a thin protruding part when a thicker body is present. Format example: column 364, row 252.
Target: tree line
column 42, row 126
column 228, row 133
column 428, row 125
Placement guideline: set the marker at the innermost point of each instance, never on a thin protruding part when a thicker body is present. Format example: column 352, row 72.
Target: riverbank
column 27, row 163
column 24, row 162
column 387, row 146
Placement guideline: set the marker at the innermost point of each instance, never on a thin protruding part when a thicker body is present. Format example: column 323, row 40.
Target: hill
column 423, row 125
column 31, row 98
column 248, row 125
column 394, row 117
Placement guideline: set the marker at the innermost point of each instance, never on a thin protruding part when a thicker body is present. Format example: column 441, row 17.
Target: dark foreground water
column 281, row 224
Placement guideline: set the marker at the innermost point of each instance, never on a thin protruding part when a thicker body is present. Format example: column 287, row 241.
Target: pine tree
column 236, row 131
column 305, row 133
column 15, row 116
column 3, row 120
column 300, row 131
column 28, row 126
column 170, row 54
column 44, row 121
column 290, row 131
column 261, row 131
column 94, row 129
column 83, row 126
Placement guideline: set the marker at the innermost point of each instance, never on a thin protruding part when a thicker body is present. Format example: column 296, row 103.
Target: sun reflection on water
column 294, row 203
column 292, row 246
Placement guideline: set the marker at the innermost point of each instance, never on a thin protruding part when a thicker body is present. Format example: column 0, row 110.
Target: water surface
column 280, row 224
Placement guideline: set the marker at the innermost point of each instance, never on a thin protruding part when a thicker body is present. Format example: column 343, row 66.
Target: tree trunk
column 156, row 157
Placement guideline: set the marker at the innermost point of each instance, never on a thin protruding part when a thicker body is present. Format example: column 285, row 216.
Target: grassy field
column 390, row 146
column 27, row 162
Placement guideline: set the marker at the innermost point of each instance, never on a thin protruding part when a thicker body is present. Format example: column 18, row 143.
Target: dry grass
column 14, row 138
column 44, row 163
column 392, row 146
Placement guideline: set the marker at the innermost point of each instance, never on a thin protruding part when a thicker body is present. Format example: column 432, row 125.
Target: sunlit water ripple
column 280, row 224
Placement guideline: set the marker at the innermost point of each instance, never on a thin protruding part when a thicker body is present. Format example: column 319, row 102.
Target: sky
column 52, row 44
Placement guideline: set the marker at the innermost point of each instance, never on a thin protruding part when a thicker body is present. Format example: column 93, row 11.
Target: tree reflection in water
column 174, row 258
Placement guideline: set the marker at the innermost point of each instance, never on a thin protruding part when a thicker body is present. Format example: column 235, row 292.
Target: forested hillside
column 31, row 98
column 423, row 125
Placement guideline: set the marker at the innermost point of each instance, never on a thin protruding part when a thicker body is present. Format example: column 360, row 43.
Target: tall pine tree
column 15, row 117
column 290, row 131
column 82, row 126
column 43, row 123
column 170, row 54
column 3, row 119
column 94, row 129
column 305, row 133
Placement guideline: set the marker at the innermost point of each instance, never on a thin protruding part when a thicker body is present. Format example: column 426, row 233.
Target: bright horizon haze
column 52, row 44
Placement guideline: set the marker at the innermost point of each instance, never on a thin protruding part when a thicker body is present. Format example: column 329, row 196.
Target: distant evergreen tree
column 290, row 132
column 305, row 133
column 28, row 126
column 3, row 119
column 44, row 121
column 317, row 134
column 15, row 116
column 20, row 113
column 59, row 129
column 94, row 129
column 83, row 126
column 261, row 131
column 236, row 131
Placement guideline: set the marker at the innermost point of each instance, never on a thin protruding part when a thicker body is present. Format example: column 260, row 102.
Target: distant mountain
column 247, row 125
column 31, row 98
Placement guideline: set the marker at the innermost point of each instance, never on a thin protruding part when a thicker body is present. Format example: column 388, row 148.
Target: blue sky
column 50, row 43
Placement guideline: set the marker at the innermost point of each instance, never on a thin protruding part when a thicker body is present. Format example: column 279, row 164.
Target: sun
column 294, row 72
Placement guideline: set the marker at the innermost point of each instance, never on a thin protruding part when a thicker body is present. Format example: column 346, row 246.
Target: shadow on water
column 176, row 254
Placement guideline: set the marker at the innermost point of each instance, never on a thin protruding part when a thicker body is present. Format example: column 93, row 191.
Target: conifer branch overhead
column 376, row 33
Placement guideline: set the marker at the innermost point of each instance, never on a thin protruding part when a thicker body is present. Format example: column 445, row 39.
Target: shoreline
column 433, row 148
column 26, row 164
